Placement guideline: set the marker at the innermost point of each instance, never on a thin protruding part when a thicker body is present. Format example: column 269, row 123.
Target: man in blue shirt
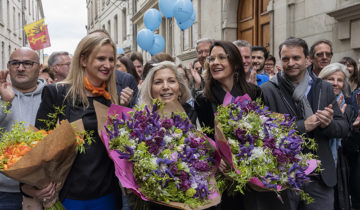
column 259, row 55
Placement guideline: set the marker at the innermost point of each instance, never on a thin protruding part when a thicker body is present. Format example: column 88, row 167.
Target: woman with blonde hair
column 91, row 183
column 164, row 82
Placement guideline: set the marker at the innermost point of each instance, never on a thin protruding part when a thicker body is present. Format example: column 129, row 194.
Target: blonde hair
column 145, row 91
column 335, row 67
column 87, row 46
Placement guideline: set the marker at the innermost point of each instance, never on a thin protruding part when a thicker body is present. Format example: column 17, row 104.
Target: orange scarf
column 97, row 90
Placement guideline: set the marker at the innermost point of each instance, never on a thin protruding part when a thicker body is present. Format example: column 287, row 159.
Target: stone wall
column 318, row 19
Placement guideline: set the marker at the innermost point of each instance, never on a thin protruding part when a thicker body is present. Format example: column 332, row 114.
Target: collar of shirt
column 309, row 86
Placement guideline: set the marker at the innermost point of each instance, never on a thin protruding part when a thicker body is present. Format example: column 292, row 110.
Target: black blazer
column 320, row 96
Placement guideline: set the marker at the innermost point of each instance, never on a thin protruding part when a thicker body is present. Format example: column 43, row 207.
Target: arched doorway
column 254, row 22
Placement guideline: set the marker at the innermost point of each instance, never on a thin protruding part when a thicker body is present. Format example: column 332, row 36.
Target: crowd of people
column 323, row 95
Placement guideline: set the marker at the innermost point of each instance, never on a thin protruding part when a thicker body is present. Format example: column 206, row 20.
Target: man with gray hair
column 245, row 51
column 203, row 51
column 60, row 62
column 321, row 53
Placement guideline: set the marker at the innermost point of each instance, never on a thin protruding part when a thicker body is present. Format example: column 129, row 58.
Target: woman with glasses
column 224, row 73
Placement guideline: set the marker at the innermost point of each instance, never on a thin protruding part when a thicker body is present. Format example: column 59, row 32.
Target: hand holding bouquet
column 38, row 158
column 170, row 161
column 263, row 147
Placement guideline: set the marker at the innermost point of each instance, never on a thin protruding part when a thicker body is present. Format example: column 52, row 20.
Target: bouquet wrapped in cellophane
column 38, row 157
column 161, row 156
column 263, row 147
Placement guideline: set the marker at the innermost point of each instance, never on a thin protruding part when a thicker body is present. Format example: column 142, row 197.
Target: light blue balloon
column 159, row 45
column 120, row 50
column 167, row 7
column 188, row 23
column 145, row 39
column 152, row 19
column 183, row 10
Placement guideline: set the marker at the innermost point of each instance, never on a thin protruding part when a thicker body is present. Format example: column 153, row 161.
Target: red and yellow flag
column 37, row 35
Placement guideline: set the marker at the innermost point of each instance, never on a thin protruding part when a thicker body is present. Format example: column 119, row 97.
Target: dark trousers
column 254, row 200
column 10, row 201
column 322, row 194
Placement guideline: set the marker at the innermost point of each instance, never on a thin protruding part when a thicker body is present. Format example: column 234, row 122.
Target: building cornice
column 139, row 14
column 348, row 12
column 187, row 55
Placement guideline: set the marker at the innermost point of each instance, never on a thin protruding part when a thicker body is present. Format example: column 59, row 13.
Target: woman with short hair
column 338, row 75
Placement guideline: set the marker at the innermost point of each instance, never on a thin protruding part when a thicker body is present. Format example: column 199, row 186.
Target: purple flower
column 174, row 169
column 280, row 156
column 194, row 143
column 297, row 176
column 202, row 191
column 268, row 179
column 183, row 176
column 236, row 118
column 201, row 165
column 124, row 155
column 167, row 123
column 188, row 154
column 185, row 185
column 174, row 156
column 269, row 142
column 240, row 134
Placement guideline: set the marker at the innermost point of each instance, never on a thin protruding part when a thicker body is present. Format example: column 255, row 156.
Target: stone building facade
column 336, row 20
column 114, row 17
column 14, row 15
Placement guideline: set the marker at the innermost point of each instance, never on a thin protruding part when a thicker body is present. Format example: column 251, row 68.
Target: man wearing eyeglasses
column 60, row 62
column 203, row 51
column 321, row 53
column 21, row 98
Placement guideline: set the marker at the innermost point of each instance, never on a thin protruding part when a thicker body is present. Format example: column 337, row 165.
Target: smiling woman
column 165, row 83
column 91, row 180
column 225, row 73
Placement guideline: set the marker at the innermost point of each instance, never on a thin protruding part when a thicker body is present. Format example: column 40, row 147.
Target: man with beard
column 299, row 93
column 321, row 53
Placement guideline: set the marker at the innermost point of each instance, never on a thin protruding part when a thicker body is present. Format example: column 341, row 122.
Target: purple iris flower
column 109, row 133
column 165, row 161
column 188, row 154
column 269, row 177
column 124, row 155
column 297, row 176
column 202, row 191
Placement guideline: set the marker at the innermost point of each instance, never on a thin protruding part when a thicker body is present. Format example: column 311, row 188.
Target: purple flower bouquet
column 262, row 147
column 162, row 159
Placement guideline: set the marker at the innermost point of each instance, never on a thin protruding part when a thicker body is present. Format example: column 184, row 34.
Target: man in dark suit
column 301, row 94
